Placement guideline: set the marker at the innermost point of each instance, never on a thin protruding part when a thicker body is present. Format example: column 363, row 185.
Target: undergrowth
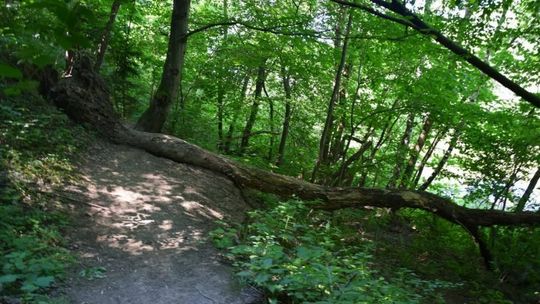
column 37, row 145
column 299, row 255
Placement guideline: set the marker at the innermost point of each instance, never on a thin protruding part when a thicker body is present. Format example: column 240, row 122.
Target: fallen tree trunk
column 85, row 99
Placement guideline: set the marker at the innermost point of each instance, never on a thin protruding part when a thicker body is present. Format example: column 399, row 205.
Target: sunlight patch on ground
column 124, row 243
column 124, row 195
column 166, row 225
column 196, row 207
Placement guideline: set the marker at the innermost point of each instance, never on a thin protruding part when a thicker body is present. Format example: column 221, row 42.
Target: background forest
column 339, row 95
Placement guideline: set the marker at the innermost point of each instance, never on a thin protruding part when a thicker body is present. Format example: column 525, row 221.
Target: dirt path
column 145, row 220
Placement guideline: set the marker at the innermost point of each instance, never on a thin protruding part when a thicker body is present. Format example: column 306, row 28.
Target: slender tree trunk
column 70, row 61
column 400, row 151
column 221, row 86
column 220, row 97
column 411, row 163
column 105, row 36
column 503, row 193
column 443, row 160
column 386, row 131
column 286, row 79
column 259, row 85
column 426, row 157
column 230, row 132
column 271, row 122
column 525, row 197
column 338, row 177
column 155, row 116
column 337, row 148
column 328, row 125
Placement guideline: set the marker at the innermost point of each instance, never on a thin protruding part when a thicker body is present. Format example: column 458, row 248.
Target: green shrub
column 291, row 250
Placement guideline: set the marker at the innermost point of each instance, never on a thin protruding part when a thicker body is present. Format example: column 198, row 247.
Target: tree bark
column 272, row 132
column 286, row 79
column 328, row 125
column 527, row 194
column 443, row 160
column 230, row 132
column 155, row 116
column 259, row 85
column 338, row 177
column 400, row 151
column 426, row 157
column 386, row 130
column 220, row 97
column 353, row 158
column 411, row 163
column 105, row 36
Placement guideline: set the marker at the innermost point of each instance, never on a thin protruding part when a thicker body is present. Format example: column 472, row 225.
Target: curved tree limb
column 413, row 21
column 85, row 99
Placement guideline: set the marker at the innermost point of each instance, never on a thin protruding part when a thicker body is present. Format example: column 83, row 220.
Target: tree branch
column 416, row 23
column 277, row 30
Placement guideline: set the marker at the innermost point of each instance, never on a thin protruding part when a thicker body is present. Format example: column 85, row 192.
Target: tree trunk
column 230, row 132
column 345, row 166
column 411, row 163
column 220, row 97
column 328, row 125
column 84, row 97
column 155, row 116
column 272, row 132
column 525, row 197
column 337, row 148
column 443, row 160
column 400, row 151
column 426, row 157
column 286, row 79
column 104, row 40
column 259, row 85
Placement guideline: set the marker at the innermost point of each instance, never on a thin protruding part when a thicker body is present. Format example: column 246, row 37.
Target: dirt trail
column 145, row 220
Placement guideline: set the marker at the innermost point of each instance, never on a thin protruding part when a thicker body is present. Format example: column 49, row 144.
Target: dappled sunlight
column 124, row 195
column 143, row 222
column 124, row 243
column 180, row 239
column 166, row 225
column 134, row 221
column 197, row 208
column 143, row 207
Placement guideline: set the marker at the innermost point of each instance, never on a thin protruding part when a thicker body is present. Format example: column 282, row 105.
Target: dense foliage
column 328, row 93
column 303, row 256
column 37, row 142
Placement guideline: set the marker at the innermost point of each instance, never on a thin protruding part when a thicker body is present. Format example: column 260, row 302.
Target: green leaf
column 9, row 278
column 267, row 263
column 44, row 281
column 8, row 71
column 261, row 278
column 29, row 287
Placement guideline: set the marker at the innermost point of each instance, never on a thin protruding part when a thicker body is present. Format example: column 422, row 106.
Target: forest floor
column 140, row 231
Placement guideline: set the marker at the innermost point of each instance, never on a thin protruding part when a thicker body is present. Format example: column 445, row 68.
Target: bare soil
column 145, row 221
